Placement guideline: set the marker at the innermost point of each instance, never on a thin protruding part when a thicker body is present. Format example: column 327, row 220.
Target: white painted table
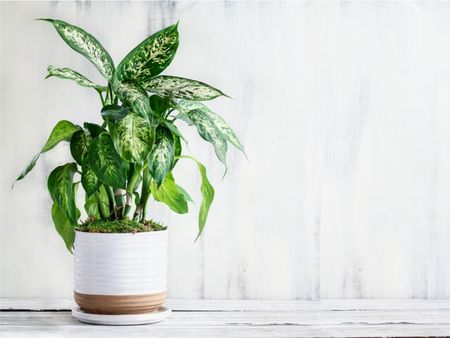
column 43, row 317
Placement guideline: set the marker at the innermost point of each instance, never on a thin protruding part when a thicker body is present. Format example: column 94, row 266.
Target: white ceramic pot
column 121, row 273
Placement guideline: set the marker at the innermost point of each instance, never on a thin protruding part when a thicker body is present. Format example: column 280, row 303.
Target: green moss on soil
column 119, row 226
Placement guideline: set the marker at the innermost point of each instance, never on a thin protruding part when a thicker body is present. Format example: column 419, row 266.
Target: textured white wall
column 344, row 109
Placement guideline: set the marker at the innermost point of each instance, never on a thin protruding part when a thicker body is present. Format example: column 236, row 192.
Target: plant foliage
column 131, row 156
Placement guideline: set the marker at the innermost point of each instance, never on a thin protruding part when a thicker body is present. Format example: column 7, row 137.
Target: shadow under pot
column 120, row 273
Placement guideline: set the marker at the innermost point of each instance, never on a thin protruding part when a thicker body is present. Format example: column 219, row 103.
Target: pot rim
column 106, row 234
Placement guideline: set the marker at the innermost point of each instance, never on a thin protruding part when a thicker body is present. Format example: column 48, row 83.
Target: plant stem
column 131, row 187
column 104, row 211
column 118, row 197
column 112, row 209
column 101, row 97
column 145, row 194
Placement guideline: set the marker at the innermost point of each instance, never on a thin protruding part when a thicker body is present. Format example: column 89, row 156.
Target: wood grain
column 194, row 318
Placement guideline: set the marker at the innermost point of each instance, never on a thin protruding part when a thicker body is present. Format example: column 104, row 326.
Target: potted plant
column 120, row 254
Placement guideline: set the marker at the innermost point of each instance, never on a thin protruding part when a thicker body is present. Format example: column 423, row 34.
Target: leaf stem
column 101, row 97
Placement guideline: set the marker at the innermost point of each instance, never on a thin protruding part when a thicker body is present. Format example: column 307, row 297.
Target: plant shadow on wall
column 131, row 156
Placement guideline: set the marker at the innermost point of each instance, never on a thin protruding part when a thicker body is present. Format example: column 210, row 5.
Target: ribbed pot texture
column 120, row 273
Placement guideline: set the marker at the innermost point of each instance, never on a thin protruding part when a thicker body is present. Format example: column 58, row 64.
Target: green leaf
column 173, row 128
column 89, row 179
column 63, row 226
column 181, row 88
column 85, row 44
column 162, row 156
column 150, row 57
column 134, row 96
column 177, row 149
column 114, row 112
column 79, row 144
column 61, row 132
column 67, row 73
column 106, row 162
column 159, row 104
column 219, row 122
column 133, row 138
column 60, row 186
column 209, row 132
column 171, row 194
column 94, row 129
column 207, row 191
column 91, row 206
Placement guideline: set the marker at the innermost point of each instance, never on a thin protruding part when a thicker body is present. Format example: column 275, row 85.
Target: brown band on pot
column 114, row 305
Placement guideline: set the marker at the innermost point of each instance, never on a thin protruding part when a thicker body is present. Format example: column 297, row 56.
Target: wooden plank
column 47, row 324
column 244, row 305
column 241, row 318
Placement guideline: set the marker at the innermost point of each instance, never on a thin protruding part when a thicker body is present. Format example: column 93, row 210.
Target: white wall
column 344, row 109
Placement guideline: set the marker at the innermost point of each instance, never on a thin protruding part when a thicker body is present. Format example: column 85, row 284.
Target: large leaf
column 207, row 191
column 181, row 88
column 94, row 129
column 219, row 122
column 61, row 132
column 175, row 197
column 133, row 137
column 106, row 162
column 162, row 156
column 209, row 132
column 134, row 96
column 85, row 44
column 89, row 179
column 63, row 226
column 150, row 57
column 114, row 112
column 79, row 144
column 60, row 186
column 67, row 73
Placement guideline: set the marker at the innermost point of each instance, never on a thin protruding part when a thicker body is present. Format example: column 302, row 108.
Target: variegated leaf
column 79, row 144
column 62, row 131
column 60, row 186
column 89, row 179
column 106, row 162
column 150, row 57
column 228, row 133
column 209, row 132
column 67, row 73
column 162, row 156
column 133, row 138
column 169, row 193
column 63, row 226
column 85, row 44
column 181, row 88
column 134, row 96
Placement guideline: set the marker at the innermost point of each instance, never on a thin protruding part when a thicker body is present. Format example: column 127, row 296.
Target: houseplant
column 120, row 255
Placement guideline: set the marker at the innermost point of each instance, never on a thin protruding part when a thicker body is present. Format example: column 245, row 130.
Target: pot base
column 119, row 305
column 131, row 319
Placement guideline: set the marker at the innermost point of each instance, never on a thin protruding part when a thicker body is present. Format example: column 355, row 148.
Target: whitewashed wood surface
column 344, row 109
column 45, row 317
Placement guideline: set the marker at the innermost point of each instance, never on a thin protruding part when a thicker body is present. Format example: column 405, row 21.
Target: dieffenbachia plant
column 131, row 155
